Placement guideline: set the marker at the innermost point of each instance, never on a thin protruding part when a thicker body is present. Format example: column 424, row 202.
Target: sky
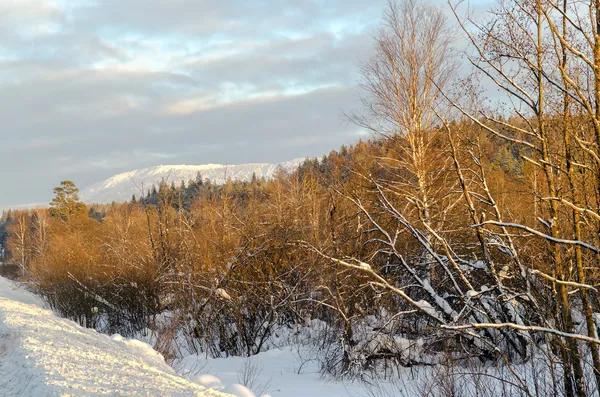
column 93, row 88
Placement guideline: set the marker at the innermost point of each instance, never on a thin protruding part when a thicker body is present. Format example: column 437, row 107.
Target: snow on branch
column 530, row 328
column 569, row 283
column 382, row 282
column 543, row 235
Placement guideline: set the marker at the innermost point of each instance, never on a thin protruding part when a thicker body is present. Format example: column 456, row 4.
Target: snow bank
column 42, row 355
column 16, row 292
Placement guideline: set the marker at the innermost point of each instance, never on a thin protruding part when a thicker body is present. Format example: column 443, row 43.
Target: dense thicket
column 231, row 264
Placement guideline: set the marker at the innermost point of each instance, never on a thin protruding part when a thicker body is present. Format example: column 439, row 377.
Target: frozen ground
column 43, row 355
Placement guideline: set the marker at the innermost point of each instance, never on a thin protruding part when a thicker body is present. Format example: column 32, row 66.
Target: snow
column 122, row 186
column 220, row 292
column 239, row 390
column 477, row 265
column 279, row 372
column 364, row 265
column 13, row 291
column 43, row 355
column 208, row 381
column 427, row 308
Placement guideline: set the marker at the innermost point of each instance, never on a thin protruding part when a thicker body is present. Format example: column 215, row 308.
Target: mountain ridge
column 122, row 186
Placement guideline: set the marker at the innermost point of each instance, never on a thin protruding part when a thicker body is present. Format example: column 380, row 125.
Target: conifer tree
column 66, row 201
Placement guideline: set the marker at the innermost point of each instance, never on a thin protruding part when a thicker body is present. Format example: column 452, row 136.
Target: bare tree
column 402, row 81
column 19, row 243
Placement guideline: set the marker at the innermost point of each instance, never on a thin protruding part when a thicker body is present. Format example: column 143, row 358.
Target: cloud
column 91, row 88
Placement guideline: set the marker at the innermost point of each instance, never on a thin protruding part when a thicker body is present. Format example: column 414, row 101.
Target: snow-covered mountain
column 122, row 186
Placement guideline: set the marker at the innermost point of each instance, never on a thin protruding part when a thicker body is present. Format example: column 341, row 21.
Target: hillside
column 122, row 186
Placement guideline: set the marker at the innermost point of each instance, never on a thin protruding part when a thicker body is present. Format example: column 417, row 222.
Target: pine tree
column 199, row 181
column 66, row 202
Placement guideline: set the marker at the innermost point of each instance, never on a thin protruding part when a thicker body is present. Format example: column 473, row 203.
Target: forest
column 464, row 232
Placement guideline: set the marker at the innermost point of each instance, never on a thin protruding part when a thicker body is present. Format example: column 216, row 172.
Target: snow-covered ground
column 277, row 372
column 43, row 355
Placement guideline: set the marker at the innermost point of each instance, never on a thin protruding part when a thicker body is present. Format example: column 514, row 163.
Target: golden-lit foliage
column 260, row 241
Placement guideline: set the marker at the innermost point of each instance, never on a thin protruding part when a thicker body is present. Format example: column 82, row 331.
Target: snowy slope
column 122, row 186
column 42, row 355
column 13, row 291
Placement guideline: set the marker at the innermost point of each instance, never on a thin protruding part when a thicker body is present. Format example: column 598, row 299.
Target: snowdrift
column 43, row 355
